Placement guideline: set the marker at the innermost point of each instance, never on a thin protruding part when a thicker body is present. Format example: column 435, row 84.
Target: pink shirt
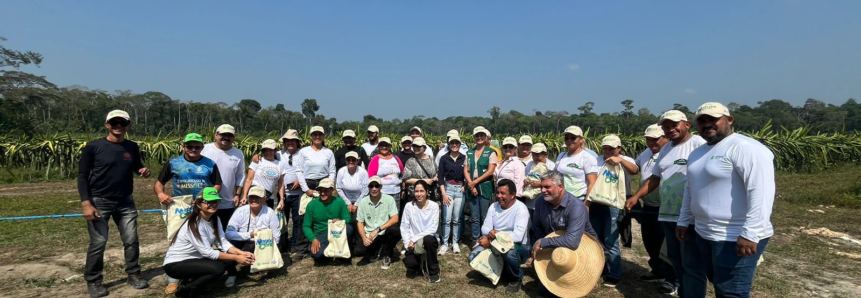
column 512, row 169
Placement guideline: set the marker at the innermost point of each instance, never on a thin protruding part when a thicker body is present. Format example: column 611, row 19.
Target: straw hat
column 570, row 273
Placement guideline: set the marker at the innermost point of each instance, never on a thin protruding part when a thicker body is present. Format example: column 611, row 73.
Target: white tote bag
column 266, row 254
column 174, row 215
column 488, row 264
column 303, row 202
column 610, row 187
column 534, row 175
column 337, row 247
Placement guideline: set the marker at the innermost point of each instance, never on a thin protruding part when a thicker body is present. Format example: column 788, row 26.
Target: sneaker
column 137, row 282
column 171, row 288
column 443, row 250
column 668, row 288
column 387, row 262
column 230, row 282
column 651, row 278
column 435, row 278
column 411, row 274
column 455, row 249
column 610, row 282
column 96, row 289
column 527, row 264
column 513, row 287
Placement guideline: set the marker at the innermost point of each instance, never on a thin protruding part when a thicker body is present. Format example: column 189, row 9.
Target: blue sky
column 396, row 59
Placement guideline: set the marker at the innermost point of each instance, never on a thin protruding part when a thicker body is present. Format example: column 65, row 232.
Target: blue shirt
column 571, row 216
column 189, row 178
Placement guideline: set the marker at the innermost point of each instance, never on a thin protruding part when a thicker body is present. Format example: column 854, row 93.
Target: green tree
column 586, row 109
column 310, row 108
column 629, row 108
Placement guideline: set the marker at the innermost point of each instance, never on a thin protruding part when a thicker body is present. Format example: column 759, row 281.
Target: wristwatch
column 378, row 230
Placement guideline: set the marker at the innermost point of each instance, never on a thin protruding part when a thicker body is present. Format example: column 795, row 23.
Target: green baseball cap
column 210, row 194
column 193, row 137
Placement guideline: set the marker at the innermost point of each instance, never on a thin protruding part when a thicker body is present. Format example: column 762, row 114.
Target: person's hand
column 526, row 182
column 310, row 192
column 90, row 212
column 631, row 202
column 352, row 208
column 235, row 200
column 334, row 220
column 682, row 233
column 435, row 179
column 296, row 185
column 244, row 201
column 613, row 160
column 280, row 206
column 367, row 241
column 255, row 158
column 744, row 247
column 492, row 234
column 471, row 184
column 374, row 235
column 475, row 191
column 428, row 181
column 484, row 242
column 244, row 259
column 252, row 233
column 315, row 246
column 446, row 200
column 144, row 172
column 165, row 199
column 412, row 246
column 535, row 248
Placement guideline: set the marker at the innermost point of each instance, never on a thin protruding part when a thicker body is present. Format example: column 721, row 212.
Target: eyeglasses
column 119, row 122
column 194, row 147
column 374, row 185
column 416, row 146
column 212, row 203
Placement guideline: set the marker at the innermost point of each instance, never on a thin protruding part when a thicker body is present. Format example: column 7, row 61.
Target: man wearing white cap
column 317, row 216
column 524, row 148
column 669, row 176
column 373, row 140
column 349, row 139
column 231, row 166
column 105, row 184
column 653, row 235
column 728, row 198
column 445, row 150
column 605, row 219
column 416, row 132
column 377, row 218
column 406, row 152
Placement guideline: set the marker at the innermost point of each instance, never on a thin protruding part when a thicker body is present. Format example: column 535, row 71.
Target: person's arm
column 206, row 249
column 649, row 185
column 332, row 171
column 406, row 228
column 340, row 183
column 234, row 225
column 138, row 166
column 363, row 157
column 408, row 173
column 591, row 170
column 158, row 187
column 215, row 177
column 488, row 221
column 521, row 223
column 686, row 217
column 630, row 165
column 577, row 220
column 247, row 184
column 240, row 180
column 85, row 167
column 307, row 224
column 490, row 169
column 374, row 166
column 299, row 163
column 364, row 180
column 360, row 225
column 273, row 225
column 756, row 167
column 519, row 177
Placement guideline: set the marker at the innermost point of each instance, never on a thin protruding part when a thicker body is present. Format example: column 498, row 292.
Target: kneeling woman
column 418, row 229
column 191, row 256
column 250, row 218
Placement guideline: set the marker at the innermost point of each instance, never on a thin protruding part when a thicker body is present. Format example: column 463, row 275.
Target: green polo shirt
column 375, row 215
column 318, row 214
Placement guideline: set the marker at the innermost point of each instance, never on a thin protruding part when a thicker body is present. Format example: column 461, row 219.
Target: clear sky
column 396, row 59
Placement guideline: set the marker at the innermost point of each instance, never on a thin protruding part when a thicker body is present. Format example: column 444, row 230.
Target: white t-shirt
column 730, row 190
column 513, row 221
column 187, row 247
column 266, row 174
column 231, row 166
column 369, row 149
column 672, row 168
column 289, row 171
column 390, row 172
column 311, row 164
column 646, row 161
column 242, row 223
column 600, row 161
column 352, row 188
column 418, row 223
column 574, row 170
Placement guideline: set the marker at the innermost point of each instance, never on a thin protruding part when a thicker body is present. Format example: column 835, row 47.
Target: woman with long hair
column 191, row 256
column 418, row 230
column 451, row 180
column 267, row 173
column 389, row 168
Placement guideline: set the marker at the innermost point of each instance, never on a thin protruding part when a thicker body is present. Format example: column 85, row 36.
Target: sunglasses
column 119, row 122
column 374, row 185
column 352, row 160
column 416, row 146
column 212, row 203
column 570, row 138
column 194, row 147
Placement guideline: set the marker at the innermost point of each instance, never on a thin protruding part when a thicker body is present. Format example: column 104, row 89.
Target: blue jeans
column 451, row 214
column 324, row 242
column 511, row 261
column 717, row 261
column 674, row 252
column 477, row 212
column 124, row 213
column 604, row 220
column 291, row 210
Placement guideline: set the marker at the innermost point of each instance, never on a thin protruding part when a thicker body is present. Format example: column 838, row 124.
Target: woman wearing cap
column 511, row 168
column 352, row 183
column 247, row 220
column 191, row 256
column 419, row 168
column 266, row 173
column 450, row 175
column 389, row 168
column 317, row 216
column 524, row 148
column 604, row 218
column 480, row 165
column 418, row 230
column 579, row 168
column 315, row 162
column 349, row 139
column 291, row 192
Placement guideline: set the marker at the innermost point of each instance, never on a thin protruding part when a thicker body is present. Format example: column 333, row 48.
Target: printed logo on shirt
column 262, row 244
column 681, row 162
column 574, row 165
column 200, row 170
column 233, row 159
column 127, row 156
column 716, row 157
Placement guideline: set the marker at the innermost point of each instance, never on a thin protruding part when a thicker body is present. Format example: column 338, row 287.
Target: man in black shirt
column 406, row 149
column 105, row 183
column 349, row 138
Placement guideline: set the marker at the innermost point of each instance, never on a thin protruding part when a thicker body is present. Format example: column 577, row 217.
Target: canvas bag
column 303, row 202
column 337, row 235
column 174, row 215
column 534, row 175
column 266, row 254
column 282, row 220
column 488, row 264
column 610, row 187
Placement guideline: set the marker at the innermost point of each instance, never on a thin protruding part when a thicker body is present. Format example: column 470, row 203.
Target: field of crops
column 795, row 150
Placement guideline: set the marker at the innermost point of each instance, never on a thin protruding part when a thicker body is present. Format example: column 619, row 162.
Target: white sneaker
column 443, row 250
column 455, row 248
column 230, row 282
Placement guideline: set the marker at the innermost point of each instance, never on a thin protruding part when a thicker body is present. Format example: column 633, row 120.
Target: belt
column 452, row 182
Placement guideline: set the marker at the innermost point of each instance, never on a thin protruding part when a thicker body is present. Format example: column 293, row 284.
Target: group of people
column 707, row 198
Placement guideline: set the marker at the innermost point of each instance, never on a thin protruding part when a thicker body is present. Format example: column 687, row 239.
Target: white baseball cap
column 352, row 154
column 416, row 128
column 509, row 141
column 385, row 140
column 612, row 141
column 118, row 114
column 373, row 128
column 226, row 128
column 348, row 133
column 673, row 115
column 419, row 141
column 574, row 130
column 480, row 129
column 539, row 148
column 714, row 109
column 269, row 144
column 525, row 139
column 406, row 138
column 291, row 134
column 316, row 129
column 454, row 138
column 257, row 191
column 451, row 133
column 654, row 131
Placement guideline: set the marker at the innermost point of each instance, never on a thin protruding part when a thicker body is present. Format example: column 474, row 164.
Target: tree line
column 30, row 104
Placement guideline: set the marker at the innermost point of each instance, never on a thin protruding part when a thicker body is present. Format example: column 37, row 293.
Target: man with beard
column 373, row 140
column 729, row 198
column 231, row 167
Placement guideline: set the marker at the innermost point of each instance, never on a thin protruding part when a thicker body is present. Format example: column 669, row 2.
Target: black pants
column 224, row 216
column 125, row 216
column 414, row 262
column 653, row 239
column 196, row 272
column 382, row 245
